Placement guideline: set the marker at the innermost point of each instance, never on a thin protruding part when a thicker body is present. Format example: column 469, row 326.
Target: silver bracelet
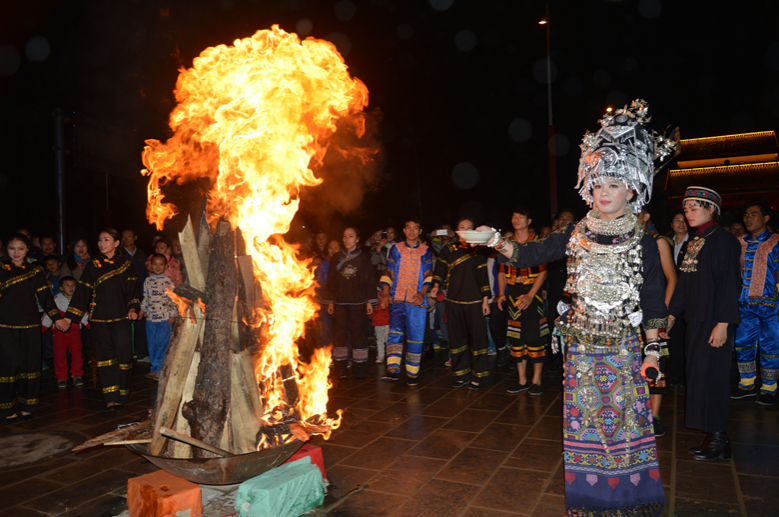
column 494, row 240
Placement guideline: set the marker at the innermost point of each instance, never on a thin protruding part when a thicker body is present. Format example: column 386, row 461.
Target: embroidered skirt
column 610, row 454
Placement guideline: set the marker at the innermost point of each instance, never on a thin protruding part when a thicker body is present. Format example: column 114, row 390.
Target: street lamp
column 551, row 132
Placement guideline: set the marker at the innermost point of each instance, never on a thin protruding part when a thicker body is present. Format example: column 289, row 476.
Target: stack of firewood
column 208, row 389
column 209, row 400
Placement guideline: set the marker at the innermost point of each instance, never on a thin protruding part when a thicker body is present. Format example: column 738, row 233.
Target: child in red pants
column 67, row 341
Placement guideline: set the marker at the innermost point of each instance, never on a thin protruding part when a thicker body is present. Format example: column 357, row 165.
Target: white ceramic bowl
column 473, row 237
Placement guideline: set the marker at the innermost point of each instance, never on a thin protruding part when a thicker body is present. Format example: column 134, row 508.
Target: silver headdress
column 623, row 149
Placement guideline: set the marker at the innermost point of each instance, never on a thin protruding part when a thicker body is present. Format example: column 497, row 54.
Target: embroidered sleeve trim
column 656, row 323
column 21, row 278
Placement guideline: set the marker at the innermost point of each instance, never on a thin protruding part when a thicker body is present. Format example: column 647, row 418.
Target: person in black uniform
column 681, row 238
column 108, row 288
column 350, row 294
column 462, row 272
column 20, row 330
column 707, row 293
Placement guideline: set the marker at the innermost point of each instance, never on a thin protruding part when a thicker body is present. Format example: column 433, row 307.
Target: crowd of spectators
column 409, row 294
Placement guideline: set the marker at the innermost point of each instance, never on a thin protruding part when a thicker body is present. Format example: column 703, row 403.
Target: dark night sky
column 460, row 84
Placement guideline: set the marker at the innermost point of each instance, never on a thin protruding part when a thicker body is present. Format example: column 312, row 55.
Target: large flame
column 255, row 118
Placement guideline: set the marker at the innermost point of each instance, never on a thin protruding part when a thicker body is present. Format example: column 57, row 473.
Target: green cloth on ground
column 289, row 490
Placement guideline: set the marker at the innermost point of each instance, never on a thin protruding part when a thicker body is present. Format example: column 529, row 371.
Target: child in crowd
column 380, row 322
column 67, row 341
column 160, row 312
column 163, row 247
column 53, row 273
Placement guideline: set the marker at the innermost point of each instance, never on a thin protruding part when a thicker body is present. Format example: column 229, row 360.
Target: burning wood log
column 173, row 377
column 134, row 431
column 216, row 451
column 247, row 409
column 207, row 411
column 177, row 449
column 196, row 278
column 190, row 293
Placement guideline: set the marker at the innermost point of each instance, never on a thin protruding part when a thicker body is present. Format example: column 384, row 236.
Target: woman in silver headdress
column 616, row 281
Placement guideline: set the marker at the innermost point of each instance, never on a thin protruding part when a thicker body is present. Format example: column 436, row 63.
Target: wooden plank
column 203, row 236
column 181, row 449
column 208, row 410
column 189, row 248
column 246, row 407
column 177, row 364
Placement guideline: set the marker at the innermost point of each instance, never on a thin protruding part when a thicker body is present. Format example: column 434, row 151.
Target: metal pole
column 551, row 132
column 59, row 149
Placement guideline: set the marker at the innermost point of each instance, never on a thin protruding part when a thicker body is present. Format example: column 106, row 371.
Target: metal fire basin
column 221, row 471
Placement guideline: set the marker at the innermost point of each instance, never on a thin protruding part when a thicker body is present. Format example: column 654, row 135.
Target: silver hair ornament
column 626, row 151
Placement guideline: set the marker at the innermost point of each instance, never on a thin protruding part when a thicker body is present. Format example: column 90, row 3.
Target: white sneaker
column 144, row 360
column 379, row 360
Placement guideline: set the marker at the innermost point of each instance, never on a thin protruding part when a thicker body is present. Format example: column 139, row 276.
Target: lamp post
column 550, row 132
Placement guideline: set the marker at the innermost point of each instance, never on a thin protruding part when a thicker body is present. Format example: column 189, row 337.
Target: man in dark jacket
column 138, row 259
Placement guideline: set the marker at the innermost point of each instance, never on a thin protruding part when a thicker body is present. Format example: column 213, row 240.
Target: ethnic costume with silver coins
column 616, row 284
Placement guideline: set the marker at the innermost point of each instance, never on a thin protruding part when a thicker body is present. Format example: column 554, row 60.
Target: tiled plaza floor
column 425, row 451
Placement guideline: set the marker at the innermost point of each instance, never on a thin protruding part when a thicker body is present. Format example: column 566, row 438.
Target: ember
column 255, row 119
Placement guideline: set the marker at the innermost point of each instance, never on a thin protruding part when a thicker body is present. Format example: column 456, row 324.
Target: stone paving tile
column 752, row 432
column 761, row 494
column 443, row 444
column 343, row 479
column 549, row 506
column 86, row 490
column 109, row 504
column 472, row 465
column 756, row 459
column 379, row 454
column 536, row 454
column 472, row 420
column 503, row 490
column 707, row 481
column 439, row 498
column 25, row 491
column 474, row 511
column 369, row 502
column 501, row 437
column 695, row 508
column 19, row 511
column 405, row 476
column 332, row 454
column 418, row 427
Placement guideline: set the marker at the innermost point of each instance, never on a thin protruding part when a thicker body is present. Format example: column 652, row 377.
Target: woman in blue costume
column 616, row 284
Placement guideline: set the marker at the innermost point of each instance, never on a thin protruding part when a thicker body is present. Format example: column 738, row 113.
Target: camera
column 383, row 235
column 441, row 232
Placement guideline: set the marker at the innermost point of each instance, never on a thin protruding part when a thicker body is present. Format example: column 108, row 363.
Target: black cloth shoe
column 658, row 427
column 473, row 387
column 740, row 393
column 719, row 447
column 459, row 384
column 767, row 399
column 412, row 383
column 28, row 416
column 391, row 376
column 519, row 388
column 703, row 446
column 110, row 411
column 11, row 419
column 536, row 389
